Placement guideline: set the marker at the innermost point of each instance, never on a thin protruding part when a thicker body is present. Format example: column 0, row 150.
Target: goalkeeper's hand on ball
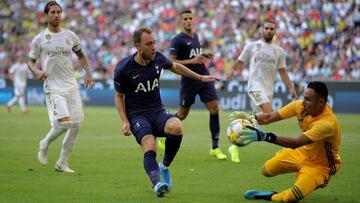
column 243, row 115
column 261, row 134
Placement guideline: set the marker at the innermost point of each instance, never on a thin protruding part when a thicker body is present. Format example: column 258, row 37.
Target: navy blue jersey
column 140, row 84
column 184, row 47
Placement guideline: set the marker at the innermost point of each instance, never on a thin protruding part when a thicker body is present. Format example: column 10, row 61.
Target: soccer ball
column 235, row 132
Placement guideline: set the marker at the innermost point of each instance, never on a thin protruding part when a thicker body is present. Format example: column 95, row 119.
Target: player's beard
column 146, row 56
column 268, row 38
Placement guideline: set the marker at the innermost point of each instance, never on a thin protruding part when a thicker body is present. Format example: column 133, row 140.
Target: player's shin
column 172, row 145
column 151, row 167
column 68, row 144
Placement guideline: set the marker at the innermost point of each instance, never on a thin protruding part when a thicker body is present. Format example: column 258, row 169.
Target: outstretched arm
column 184, row 71
column 237, row 65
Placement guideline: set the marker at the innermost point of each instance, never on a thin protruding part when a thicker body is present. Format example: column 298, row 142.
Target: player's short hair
column 185, row 11
column 49, row 4
column 138, row 32
column 269, row 20
column 320, row 89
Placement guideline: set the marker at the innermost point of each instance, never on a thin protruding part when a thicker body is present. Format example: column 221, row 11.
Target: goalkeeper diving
column 312, row 155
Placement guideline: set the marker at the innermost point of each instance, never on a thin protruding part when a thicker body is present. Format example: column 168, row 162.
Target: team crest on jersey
column 48, row 37
column 157, row 69
column 68, row 42
column 257, row 96
column 258, row 46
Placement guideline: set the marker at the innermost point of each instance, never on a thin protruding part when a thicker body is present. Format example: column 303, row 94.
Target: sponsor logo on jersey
column 148, row 86
column 195, row 52
column 264, row 58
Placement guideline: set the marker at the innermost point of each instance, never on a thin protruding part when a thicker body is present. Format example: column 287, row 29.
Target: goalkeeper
column 312, row 155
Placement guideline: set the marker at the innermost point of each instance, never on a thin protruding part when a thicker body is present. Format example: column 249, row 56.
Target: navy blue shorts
column 188, row 93
column 151, row 123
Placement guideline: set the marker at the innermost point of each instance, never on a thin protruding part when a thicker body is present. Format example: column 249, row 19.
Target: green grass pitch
column 109, row 165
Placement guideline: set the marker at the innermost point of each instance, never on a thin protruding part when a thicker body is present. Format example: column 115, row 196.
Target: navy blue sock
column 172, row 145
column 215, row 130
column 151, row 167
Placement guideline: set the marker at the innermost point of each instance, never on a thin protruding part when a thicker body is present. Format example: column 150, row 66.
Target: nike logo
column 135, row 76
column 189, row 43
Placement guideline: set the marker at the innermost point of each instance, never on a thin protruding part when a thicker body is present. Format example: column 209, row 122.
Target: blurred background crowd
column 321, row 38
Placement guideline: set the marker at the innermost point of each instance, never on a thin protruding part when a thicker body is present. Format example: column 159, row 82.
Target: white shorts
column 258, row 98
column 19, row 90
column 63, row 104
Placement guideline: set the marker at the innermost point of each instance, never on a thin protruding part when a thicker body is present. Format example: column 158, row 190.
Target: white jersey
column 20, row 72
column 54, row 51
column 265, row 60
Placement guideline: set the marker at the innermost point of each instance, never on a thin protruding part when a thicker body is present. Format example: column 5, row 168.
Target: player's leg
column 21, row 93
column 52, row 102
column 285, row 161
column 171, row 127
column 309, row 178
column 214, row 124
column 187, row 98
column 260, row 101
column 141, row 128
column 12, row 101
column 73, row 108
column 209, row 97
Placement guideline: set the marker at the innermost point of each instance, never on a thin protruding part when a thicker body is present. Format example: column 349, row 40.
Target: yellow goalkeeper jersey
column 325, row 132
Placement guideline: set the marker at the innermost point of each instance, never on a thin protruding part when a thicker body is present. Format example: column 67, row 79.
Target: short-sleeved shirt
column 184, row 47
column 324, row 130
column 265, row 60
column 55, row 53
column 140, row 84
column 20, row 72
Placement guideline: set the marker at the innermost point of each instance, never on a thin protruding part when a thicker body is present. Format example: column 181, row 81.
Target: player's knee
column 174, row 126
column 265, row 172
column 69, row 124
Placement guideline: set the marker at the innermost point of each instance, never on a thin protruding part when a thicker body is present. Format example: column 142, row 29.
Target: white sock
column 12, row 101
column 68, row 144
column 54, row 133
column 22, row 103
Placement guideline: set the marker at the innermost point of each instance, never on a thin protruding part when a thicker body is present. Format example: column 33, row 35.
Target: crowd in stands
column 321, row 37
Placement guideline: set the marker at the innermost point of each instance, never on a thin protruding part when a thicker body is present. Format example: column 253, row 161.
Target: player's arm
column 39, row 74
column 84, row 62
column 184, row 71
column 236, row 66
column 195, row 60
column 292, row 142
column 120, row 105
column 285, row 78
column 284, row 141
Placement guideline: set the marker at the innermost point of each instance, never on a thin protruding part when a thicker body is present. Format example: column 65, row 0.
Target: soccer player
column 54, row 47
column 18, row 74
column 185, row 49
column 312, row 155
column 265, row 59
column 137, row 98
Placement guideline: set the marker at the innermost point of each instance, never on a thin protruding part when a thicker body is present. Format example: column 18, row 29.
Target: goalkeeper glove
column 243, row 115
column 263, row 135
